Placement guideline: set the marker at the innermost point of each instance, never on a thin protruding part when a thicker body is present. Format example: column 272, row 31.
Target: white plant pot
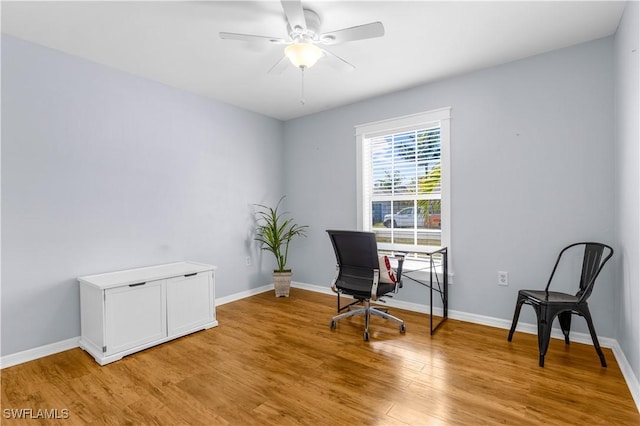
column 282, row 283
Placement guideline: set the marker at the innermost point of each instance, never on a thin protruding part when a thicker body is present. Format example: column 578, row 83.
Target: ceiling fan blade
column 360, row 32
column 295, row 15
column 249, row 37
column 279, row 66
column 337, row 62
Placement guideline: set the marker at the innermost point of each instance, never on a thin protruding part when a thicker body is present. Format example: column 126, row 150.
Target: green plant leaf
column 275, row 232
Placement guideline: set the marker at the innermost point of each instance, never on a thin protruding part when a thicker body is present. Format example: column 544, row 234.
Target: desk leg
column 445, row 270
column 431, row 297
column 444, row 292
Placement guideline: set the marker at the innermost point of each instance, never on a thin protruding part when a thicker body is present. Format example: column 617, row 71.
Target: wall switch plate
column 503, row 278
column 247, row 261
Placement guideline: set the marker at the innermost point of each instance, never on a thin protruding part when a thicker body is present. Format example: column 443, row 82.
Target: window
column 403, row 181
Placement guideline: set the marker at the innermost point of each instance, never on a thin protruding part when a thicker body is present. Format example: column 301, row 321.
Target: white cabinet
column 127, row 311
column 134, row 316
column 188, row 302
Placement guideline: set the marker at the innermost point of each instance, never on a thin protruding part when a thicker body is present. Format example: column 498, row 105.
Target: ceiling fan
column 303, row 44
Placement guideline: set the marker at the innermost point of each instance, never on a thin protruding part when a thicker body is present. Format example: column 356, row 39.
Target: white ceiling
column 177, row 43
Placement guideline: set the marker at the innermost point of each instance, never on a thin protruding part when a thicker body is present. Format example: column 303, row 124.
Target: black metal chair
column 358, row 275
column 549, row 304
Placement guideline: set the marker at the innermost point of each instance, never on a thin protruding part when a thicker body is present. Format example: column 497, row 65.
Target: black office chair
column 358, row 275
column 549, row 304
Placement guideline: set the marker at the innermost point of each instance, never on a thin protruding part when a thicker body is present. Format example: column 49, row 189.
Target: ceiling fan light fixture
column 303, row 55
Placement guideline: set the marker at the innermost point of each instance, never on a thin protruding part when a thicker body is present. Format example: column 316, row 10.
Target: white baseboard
column 605, row 342
column 627, row 373
column 39, row 352
column 243, row 294
column 312, row 287
column 625, row 367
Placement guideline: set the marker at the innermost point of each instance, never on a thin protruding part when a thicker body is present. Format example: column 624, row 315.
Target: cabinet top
column 149, row 273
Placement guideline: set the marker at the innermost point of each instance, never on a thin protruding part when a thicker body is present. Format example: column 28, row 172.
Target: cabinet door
column 190, row 302
column 135, row 315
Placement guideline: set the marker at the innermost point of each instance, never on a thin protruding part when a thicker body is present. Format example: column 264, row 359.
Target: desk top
column 149, row 273
column 412, row 264
column 430, row 250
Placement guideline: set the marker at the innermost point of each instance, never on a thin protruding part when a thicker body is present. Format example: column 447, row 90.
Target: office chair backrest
column 592, row 263
column 356, row 252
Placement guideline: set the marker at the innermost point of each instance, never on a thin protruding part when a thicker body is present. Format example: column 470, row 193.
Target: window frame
column 364, row 132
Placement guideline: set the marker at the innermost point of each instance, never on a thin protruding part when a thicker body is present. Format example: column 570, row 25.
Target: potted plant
column 274, row 233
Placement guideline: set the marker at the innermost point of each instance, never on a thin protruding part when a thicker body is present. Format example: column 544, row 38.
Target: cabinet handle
column 136, row 285
column 190, row 275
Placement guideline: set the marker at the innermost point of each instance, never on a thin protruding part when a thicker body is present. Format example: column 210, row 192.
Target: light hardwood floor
column 276, row 361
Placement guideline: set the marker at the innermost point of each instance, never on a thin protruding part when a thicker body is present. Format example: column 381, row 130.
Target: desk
column 434, row 285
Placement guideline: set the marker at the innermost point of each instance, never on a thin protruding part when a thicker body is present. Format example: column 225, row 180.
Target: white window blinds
column 406, row 164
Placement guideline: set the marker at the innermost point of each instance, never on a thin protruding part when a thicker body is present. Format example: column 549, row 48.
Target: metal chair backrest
column 592, row 263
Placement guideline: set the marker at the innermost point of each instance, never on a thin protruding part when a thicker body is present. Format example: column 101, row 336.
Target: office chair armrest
column 400, row 257
column 335, row 279
column 374, row 287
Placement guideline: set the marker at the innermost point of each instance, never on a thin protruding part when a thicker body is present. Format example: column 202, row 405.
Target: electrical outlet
column 503, row 278
column 247, row 261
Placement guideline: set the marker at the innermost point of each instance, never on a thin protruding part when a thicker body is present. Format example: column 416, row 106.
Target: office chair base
column 367, row 311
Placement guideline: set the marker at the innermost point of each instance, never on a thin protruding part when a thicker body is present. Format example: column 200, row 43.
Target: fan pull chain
column 302, row 101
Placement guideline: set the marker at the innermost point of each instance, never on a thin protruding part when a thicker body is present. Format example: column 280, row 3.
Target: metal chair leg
column 587, row 316
column 516, row 316
column 544, row 332
column 565, row 324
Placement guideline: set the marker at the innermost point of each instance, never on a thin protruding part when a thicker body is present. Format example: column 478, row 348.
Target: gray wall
column 627, row 184
column 532, row 171
column 104, row 171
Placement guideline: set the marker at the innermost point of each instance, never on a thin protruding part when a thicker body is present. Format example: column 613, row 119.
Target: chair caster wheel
column 402, row 329
column 366, row 336
column 333, row 324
